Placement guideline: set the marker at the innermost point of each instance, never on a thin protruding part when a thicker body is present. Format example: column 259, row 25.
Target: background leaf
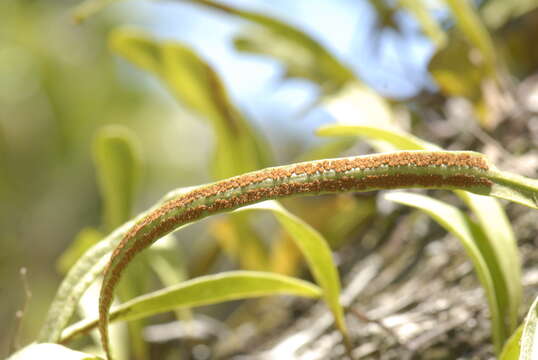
column 317, row 254
column 511, row 347
column 529, row 337
column 461, row 226
column 239, row 148
column 204, row 290
column 499, row 245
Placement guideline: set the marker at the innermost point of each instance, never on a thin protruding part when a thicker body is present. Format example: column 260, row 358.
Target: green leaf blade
column 529, row 336
column 317, row 254
column 399, row 139
column 511, row 349
column 197, row 86
column 498, row 244
column 204, row 290
column 459, row 224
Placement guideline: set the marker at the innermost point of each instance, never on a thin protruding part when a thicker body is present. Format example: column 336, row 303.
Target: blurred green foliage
column 58, row 84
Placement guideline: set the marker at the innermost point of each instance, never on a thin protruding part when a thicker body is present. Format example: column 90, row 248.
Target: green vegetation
column 93, row 143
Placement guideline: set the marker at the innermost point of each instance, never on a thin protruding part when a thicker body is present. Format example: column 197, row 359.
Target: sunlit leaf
column 50, row 351
column 76, row 282
column 462, row 227
column 500, row 252
column 511, row 347
column 204, row 290
column 239, row 148
column 499, row 247
column 529, row 337
column 317, row 255
column 399, row 139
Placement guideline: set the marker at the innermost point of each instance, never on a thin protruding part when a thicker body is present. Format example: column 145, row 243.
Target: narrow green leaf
column 204, row 290
column 302, row 56
column 167, row 260
column 117, row 160
column 76, row 282
column 399, row 139
column 50, row 351
column 194, row 83
column 529, row 337
column 81, row 275
column 511, row 347
column 92, row 265
column 501, row 254
column 515, row 188
column 317, row 254
column 239, row 148
column 499, row 246
column 461, row 226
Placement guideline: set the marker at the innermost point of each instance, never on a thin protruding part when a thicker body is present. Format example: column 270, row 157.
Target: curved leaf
column 499, row 246
column 529, row 337
column 83, row 274
column 511, row 347
column 239, row 148
column 523, row 344
column 469, row 234
column 398, row 139
column 76, row 282
column 204, row 290
column 500, row 252
column 317, row 255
